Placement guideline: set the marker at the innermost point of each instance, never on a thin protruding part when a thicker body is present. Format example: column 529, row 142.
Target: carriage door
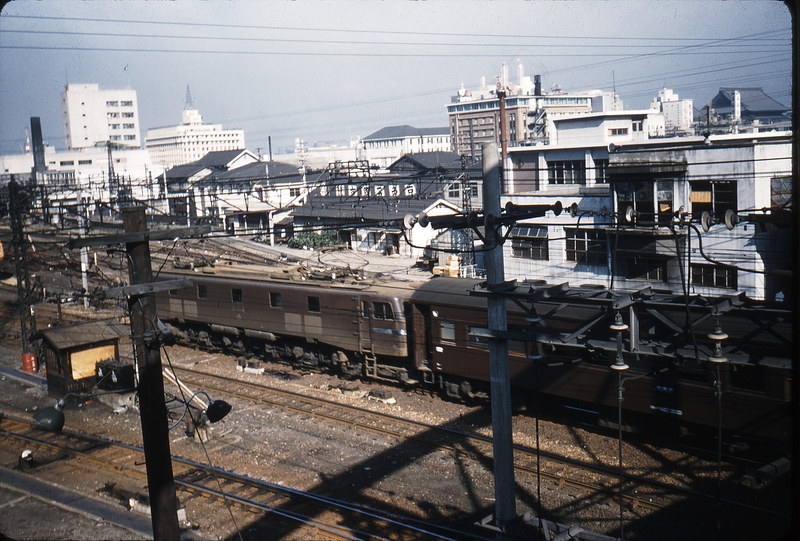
column 365, row 325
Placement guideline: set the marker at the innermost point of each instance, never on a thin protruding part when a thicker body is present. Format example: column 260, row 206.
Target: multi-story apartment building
column 93, row 116
column 189, row 141
column 707, row 215
column 475, row 115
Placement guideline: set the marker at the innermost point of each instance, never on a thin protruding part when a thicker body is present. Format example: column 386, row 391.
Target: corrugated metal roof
column 65, row 337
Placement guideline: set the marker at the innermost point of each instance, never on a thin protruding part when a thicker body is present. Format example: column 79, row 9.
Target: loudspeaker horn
column 558, row 208
column 423, row 220
column 409, row 220
column 573, row 210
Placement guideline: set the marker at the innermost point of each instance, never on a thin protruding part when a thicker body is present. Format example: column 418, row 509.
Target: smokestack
column 537, row 85
column 39, row 165
column 520, row 74
column 737, row 105
column 269, row 142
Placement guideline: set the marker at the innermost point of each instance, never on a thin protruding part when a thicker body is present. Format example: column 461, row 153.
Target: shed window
column 236, row 296
column 313, row 304
column 202, row 292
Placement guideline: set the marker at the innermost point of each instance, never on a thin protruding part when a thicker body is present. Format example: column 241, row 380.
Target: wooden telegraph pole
column 146, row 344
column 152, row 407
column 505, row 501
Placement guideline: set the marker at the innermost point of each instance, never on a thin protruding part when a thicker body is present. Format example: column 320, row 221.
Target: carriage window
column 365, row 309
column 202, row 292
column 477, row 340
column 448, row 330
column 383, row 310
column 236, row 296
column 173, row 292
column 275, row 300
column 313, row 304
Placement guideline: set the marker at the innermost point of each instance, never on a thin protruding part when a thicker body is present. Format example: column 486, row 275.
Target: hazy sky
column 324, row 71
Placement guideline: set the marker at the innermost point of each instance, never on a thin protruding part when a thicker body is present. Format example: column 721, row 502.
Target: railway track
column 322, row 517
column 591, row 482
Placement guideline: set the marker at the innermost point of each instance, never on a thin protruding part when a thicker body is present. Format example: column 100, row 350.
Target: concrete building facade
column 474, row 116
column 92, row 116
column 189, row 141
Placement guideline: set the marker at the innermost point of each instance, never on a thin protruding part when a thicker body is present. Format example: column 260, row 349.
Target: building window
column 637, row 125
column 529, row 242
column 67, row 162
column 643, row 268
column 601, row 171
column 114, row 126
column 714, row 276
column 202, row 292
column 618, row 131
column 111, row 115
column 780, row 191
column 127, row 104
column 130, row 138
column 651, row 200
column 84, row 162
column 566, row 172
column 313, row 304
column 128, row 126
column 112, row 104
column 448, row 330
column 587, row 246
column 454, row 190
column 127, row 115
column 713, row 196
column 236, row 296
column 275, row 300
column 382, row 310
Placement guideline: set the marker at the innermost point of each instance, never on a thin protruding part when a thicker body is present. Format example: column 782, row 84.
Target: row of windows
column 116, row 115
column 119, row 103
column 447, row 333
column 590, row 247
column 376, row 310
column 119, row 138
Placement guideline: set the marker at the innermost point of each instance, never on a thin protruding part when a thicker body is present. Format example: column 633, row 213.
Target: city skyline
column 325, row 72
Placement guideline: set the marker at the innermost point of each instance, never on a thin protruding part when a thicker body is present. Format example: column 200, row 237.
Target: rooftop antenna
column 189, row 100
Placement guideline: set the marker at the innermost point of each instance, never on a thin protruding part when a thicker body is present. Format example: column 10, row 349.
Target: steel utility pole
column 505, row 501
column 152, row 408
column 19, row 204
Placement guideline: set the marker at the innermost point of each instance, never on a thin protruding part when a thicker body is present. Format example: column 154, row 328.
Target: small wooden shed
column 71, row 353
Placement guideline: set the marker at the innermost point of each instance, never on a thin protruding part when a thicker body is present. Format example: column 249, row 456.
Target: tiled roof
column 219, row 158
column 753, row 100
column 399, row 132
column 431, row 160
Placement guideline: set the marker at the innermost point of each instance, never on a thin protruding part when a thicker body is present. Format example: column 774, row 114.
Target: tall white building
column 678, row 114
column 190, row 141
column 92, row 116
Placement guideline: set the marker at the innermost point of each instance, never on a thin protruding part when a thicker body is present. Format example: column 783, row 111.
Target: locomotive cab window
column 275, row 300
column 237, row 296
column 313, row 304
column 382, row 310
column 202, row 292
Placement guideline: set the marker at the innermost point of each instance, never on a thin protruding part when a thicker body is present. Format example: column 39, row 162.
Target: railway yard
column 307, row 455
